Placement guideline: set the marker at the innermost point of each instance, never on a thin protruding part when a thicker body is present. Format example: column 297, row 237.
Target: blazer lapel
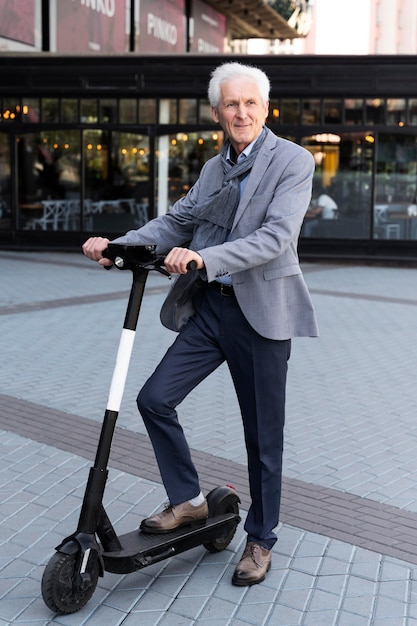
column 255, row 177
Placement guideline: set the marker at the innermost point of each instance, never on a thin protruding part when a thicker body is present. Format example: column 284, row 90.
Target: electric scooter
column 71, row 575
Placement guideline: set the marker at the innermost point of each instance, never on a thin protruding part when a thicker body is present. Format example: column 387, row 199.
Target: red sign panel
column 91, row 26
column 162, row 26
column 17, row 20
column 208, row 29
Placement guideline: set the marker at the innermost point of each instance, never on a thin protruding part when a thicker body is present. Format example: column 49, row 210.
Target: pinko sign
column 90, row 26
column 162, row 26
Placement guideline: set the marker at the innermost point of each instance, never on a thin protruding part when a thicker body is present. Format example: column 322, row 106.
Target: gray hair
column 227, row 71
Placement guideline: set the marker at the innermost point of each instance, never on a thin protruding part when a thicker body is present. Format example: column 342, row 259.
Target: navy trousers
column 219, row 332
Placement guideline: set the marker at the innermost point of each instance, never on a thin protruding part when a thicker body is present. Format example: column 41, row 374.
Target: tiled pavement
column 346, row 554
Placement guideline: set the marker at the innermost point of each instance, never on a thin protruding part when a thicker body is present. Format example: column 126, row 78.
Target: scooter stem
column 92, row 502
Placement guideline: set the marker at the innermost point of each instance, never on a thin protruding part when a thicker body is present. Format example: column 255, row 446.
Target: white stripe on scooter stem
column 120, row 370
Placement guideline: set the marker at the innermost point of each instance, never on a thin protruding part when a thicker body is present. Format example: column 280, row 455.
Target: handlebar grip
column 191, row 265
column 106, row 255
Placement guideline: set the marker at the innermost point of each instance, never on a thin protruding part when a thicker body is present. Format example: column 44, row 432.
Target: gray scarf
column 214, row 217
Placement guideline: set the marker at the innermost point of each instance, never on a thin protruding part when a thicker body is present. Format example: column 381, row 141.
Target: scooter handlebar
column 134, row 257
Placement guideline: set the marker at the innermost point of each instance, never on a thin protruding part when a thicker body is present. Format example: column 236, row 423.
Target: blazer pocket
column 281, row 272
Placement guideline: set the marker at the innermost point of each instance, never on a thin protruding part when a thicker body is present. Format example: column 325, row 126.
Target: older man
column 242, row 305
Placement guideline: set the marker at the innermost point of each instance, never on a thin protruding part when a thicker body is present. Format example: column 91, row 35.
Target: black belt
column 223, row 288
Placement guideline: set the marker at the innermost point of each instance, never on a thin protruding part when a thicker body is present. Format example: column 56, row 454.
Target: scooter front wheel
column 60, row 591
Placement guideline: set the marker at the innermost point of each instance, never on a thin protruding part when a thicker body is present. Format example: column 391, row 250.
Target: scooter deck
column 141, row 549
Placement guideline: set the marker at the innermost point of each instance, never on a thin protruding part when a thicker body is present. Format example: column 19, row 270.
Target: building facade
column 110, row 124
column 102, row 144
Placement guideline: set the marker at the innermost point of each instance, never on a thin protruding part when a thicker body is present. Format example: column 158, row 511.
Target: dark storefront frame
column 320, row 97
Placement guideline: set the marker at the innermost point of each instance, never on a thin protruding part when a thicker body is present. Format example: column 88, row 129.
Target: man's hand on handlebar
column 175, row 262
column 177, row 259
column 93, row 249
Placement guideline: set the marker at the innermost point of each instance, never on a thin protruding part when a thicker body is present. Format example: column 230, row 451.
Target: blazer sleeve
column 176, row 227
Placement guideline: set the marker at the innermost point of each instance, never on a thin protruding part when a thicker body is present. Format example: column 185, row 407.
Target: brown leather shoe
column 173, row 517
column 255, row 562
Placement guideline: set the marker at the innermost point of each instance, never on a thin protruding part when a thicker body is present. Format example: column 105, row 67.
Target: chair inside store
column 54, row 215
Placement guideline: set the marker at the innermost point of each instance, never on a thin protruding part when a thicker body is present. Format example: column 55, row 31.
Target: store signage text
column 106, row 7
column 160, row 29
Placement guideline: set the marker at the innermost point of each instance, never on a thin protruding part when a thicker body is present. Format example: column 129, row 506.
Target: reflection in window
column 128, row 110
column 354, row 111
column 396, row 111
column 108, row 110
column 412, row 111
column 89, row 111
column 69, row 110
column 342, row 188
column 30, row 110
column 332, row 111
column 375, row 111
column 204, row 112
column 311, row 112
column 188, row 112
column 50, row 110
column 290, row 112
column 147, row 111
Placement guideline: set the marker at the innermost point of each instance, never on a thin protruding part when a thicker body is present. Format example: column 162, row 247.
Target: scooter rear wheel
column 59, row 590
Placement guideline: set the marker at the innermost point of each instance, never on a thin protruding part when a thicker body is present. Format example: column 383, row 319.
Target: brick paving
column 346, row 553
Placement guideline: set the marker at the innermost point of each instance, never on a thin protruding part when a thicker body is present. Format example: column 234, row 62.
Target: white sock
column 197, row 500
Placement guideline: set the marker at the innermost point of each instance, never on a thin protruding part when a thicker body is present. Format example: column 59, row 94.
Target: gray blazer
column 261, row 253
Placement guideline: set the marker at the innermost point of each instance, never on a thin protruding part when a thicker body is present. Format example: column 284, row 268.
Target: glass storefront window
column 370, row 176
column 188, row 112
column 204, row 112
column 108, row 110
column 353, row 111
column 395, row 211
column 396, row 111
column 69, row 110
column 128, row 111
column 10, row 109
column 49, row 180
column 332, row 111
column 89, row 111
column 311, row 112
column 30, row 110
column 342, row 187
column 180, row 158
column 274, row 112
column 412, row 111
column 375, row 110
column 117, row 181
column 147, row 111
column 5, row 183
column 168, row 111
column 50, row 110
column 290, row 112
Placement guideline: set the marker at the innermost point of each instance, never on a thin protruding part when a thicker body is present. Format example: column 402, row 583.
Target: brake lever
column 191, row 265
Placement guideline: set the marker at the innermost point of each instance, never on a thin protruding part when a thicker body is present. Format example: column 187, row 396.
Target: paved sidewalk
column 347, row 549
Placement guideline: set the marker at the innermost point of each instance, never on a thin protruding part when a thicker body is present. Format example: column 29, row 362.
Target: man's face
column 241, row 112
